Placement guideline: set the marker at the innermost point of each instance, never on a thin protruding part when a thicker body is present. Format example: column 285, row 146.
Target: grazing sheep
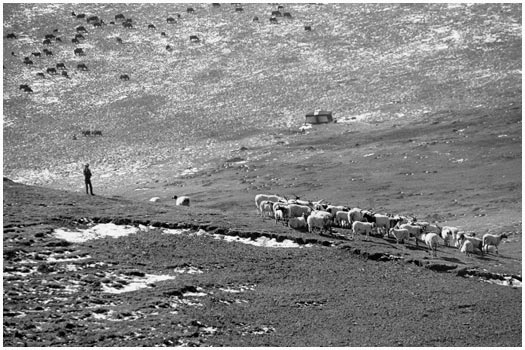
column 341, row 218
column 319, row 220
column 299, row 223
column 431, row 240
column 492, row 240
column 400, row 234
column 296, row 210
column 182, row 200
column 266, row 208
column 355, row 214
column 467, row 247
column 279, row 216
column 333, row 209
column 451, row 232
column 382, row 221
column 414, row 230
column 434, row 228
column 477, row 243
column 359, row 227
column 266, row 197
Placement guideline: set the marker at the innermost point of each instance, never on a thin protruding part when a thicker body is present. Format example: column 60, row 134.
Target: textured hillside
column 244, row 84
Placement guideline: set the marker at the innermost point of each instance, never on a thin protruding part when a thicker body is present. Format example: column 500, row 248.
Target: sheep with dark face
column 477, row 243
column 182, row 200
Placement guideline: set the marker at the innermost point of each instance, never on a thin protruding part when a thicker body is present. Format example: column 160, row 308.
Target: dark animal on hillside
column 97, row 25
column 255, row 19
column 75, row 41
column 119, row 40
column 127, row 25
column 151, row 26
column 129, row 20
column 169, row 48
column 82, row 15
column 64, row 74
column 239, row 9
column 36, row 54
column 111, row 22
column 46, row 42
column 92, row 19
column 308, row 28
column 13, row 53
column 28, row 61
column 124, row 77
column 190, row 10
column 55, row 30
column 280, row 7
column 216, row 4
column 79, row 36
column 23, row 86
column 82, row 66
column 273, row 20
column 11, row 36
column 48, row 52
column 79, row 52
column 97, row 133
column 73, row 13
column 277, row 13
column 194, row 38
column 119, row 16
column 28, row 89
column 163, row 34
column 61, row 66
column 170, row 20
column 57, row 39
column 287, row 15
column 49, row 36
column 81, row 29
column 86, row 132
column 51, row 70
column 40, row 74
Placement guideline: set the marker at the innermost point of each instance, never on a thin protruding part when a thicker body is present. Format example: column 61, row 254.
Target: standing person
column 87, row 179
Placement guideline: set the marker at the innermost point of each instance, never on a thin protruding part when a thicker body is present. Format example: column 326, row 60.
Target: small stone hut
column 319, row 117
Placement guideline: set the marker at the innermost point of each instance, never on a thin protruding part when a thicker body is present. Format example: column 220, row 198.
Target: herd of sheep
column 322, row 217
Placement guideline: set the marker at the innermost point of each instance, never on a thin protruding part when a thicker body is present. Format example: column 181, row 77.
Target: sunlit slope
column 244, row 79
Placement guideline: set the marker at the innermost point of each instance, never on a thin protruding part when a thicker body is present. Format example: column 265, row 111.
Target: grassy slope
column 245, row 79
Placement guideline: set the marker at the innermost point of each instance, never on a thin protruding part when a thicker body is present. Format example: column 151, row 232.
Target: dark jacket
column 87, row 174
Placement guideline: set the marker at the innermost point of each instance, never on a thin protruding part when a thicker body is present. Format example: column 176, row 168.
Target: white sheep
column 355, row 214
column 266, row 208
column 492, row 240
column 296, row 210
column 431, row 241
column 182, row 200
column 414, row 230
column 341, row 218
column 467, row 247
column 400, row 234
column 299, row 223
column 449, row 233
column 267, row 197
column 477, row 243
column 319, row 220
column 382, row 221
column 359, row 227
column 279, row 216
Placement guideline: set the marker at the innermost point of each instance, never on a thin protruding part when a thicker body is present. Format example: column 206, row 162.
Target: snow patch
column 96, row 232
